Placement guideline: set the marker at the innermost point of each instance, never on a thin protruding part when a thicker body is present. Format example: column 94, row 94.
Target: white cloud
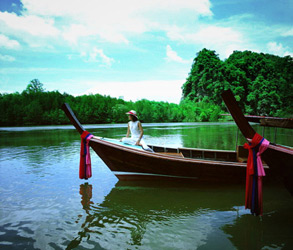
column 7, row 43
column 240, row 32
column 173, row 56
column 216, row 34
column 74, row 32
column 86, row 8
column 7, row 58
column 279, row 49
column 157, row 90
column 34, row 30
column 222, row 39
column 84, row 25
column 111, row 20
column 30, row 24
column 288, row 32
column 206, row 34
column 97, row 56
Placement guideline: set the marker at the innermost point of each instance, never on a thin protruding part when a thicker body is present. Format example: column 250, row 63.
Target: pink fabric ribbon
column 262, row 148
column 261, row 172
column 88, row 158
column 85, row 169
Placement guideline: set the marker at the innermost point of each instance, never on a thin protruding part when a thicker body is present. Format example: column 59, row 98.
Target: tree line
column 35, row 106
column 261, row 83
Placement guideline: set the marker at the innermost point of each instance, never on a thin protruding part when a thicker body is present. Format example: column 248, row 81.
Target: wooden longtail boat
column 276, row 122
column 129, row 163
column 266, row 121
column 278, row 158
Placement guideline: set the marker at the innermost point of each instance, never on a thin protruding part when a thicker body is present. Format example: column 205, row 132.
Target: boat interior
column 208, row 154
column 239, row 155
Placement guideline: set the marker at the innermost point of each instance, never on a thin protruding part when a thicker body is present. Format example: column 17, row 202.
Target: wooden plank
column 269, row 121
column 237, row 114
column 277, row 122
column 172, row 154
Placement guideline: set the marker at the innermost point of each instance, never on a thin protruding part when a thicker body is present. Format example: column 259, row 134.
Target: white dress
column 135, row 134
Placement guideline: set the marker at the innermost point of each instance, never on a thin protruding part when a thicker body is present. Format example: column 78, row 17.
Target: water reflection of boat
column 174, row 197
column 279, row 158
column 135, row 213
column 128, row 162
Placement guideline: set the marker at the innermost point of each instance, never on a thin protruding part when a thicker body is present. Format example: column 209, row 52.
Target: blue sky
column 135, row 49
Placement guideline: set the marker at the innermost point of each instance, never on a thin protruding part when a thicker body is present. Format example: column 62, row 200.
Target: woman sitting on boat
column 135, row 129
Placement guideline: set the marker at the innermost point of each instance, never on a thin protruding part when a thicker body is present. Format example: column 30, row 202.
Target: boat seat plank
column 241, row 159
column 208, row 150
column 172, row 154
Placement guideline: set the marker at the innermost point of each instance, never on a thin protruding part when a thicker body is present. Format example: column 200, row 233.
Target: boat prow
column 278, row 158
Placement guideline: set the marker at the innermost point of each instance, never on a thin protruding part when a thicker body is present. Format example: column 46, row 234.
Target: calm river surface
column 44, row 205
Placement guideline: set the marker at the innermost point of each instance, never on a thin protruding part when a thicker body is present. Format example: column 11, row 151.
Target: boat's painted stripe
column 150, row 174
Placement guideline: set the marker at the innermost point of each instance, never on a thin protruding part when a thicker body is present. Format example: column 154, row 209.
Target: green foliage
column 205, row 69
column 261, row 83
column 35, row 86
column 200, row 111
column 34, row 106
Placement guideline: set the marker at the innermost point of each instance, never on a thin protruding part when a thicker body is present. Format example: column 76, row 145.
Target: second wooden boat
column 279, row 158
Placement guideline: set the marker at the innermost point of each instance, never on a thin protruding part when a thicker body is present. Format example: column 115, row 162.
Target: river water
column 44, row 205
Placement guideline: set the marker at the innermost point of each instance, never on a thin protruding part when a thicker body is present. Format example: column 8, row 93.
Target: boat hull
column 132, row 164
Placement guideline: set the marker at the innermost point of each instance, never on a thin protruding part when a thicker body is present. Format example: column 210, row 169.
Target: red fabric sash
column 85, row 169
column 254, row 174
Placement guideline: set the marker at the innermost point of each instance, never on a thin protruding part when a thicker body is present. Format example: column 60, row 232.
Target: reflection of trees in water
column 151, row 131
column 115, row 132
column 223, row 136
column 40, row 147
column 164, row 131
column 284, row 136
column 211, row 137
column 36, row 138
column 128, row 212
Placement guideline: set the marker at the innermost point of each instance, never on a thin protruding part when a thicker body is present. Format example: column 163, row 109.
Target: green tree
column 35, row 86
column 261, row 83
column 200, row 82
column 263, row 98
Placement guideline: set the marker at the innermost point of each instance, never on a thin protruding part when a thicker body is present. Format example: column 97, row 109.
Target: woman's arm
column 141, row 133
column 128, row 131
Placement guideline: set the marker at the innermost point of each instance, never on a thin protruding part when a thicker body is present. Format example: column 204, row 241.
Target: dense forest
column 35, row 106
column 262, row 85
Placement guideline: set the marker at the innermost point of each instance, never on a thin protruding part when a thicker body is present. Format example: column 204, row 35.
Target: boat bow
column 278, row 158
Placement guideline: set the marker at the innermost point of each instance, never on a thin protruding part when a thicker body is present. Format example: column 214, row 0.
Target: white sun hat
column 132, row 112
